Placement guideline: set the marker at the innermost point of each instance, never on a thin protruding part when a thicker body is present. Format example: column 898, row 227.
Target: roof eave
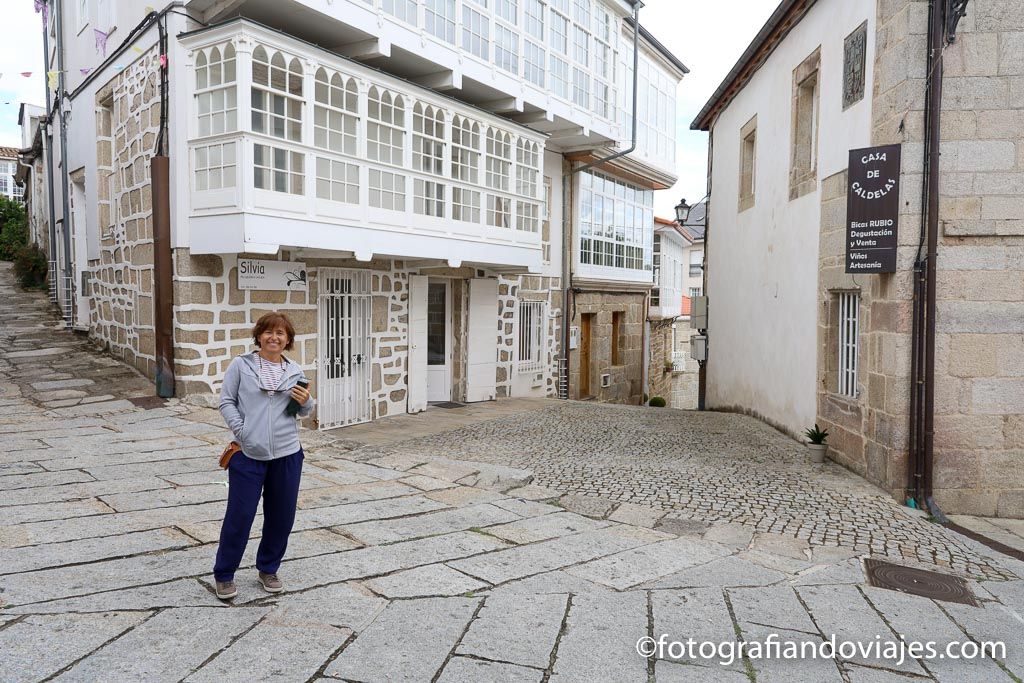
column 785, row 16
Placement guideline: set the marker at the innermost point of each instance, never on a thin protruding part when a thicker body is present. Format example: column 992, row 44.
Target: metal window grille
column 849, row 329
column 531, row 336
column 344, row 347
column 52, row 280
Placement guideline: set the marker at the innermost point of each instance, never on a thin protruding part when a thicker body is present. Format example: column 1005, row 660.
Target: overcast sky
column 706, row 36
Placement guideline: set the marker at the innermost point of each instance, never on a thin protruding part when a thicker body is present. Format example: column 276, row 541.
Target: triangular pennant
column 101, row 42
column 51, row 78
column 26, row 74
column 163, row 62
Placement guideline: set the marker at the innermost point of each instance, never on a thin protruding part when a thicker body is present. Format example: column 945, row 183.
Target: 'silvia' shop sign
column 873, row 209
column 271, row 275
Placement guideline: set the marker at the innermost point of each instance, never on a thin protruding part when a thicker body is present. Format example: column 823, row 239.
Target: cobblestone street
column 513, row 541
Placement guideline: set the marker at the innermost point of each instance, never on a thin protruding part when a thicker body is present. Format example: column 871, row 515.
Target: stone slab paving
column 511, row 541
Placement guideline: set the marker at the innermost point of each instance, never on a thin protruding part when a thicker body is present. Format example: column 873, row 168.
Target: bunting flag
column 101, row 42
column 26, row 74
column 42, row 6
column 85, row 71
column 137, row 49
column 51, row 78
column 163, row 62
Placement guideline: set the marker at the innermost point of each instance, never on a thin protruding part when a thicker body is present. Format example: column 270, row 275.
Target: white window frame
column 292, row 95
column 215, row 166
column 279, row 163
column 335, row 101
column 476, row 30
column 849, row 342
column 337, row 181
column 439, row 19
column 532, row 338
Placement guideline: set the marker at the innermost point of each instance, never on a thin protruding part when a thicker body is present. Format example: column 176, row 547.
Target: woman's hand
column 300, row 395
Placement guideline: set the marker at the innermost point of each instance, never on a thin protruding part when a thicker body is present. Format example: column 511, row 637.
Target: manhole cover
column 921, row 582
column 148, row 402
column 448, row 404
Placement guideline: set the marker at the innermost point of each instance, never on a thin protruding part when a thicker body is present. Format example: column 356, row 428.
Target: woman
column 257, row 389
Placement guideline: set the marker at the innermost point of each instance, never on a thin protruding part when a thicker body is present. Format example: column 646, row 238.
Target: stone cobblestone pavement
column 504, row 550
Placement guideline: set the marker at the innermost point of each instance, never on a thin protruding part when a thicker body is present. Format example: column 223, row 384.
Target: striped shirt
column 270, row 373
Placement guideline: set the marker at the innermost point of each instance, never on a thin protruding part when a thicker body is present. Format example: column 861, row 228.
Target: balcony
column 293, row 146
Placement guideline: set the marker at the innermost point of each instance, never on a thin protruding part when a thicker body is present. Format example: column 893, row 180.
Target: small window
column 618, row 336
column 278, row 170
column 475, row 32
column 849, row 329
column 696, row 263
column 748, row 163
column 439, row 18
column 854, row 60
column 531, row 336
column 804, row 138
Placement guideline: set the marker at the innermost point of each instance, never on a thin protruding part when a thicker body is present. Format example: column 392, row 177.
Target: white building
column 8, row 168
column 914, row 364
column 400, row 163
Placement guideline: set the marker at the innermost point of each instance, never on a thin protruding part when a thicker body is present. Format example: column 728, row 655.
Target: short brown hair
column 269, row 321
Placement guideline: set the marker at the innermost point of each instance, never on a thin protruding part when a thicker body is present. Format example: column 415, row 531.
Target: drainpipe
column 46, row 136
column 922, row 425
column 702, row 372
column 567, row 253
column 163, row 258
column 66, row 211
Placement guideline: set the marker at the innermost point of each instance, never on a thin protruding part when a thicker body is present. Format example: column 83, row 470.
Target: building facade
column 837, row 347
column 9, row 187
column 403, row 195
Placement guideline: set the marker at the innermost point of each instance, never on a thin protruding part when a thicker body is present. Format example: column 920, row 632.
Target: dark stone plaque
column 872, row 209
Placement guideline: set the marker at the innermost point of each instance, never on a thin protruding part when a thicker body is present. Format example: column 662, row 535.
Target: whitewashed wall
column 763, row 266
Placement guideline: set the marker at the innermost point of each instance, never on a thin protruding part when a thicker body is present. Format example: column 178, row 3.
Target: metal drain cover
column 921, row 582
column 448, row 404
column 148, row 402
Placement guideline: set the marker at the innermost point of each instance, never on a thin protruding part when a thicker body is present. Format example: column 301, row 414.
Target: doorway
column 586, row 325
column 439, row 340
column 343, row 363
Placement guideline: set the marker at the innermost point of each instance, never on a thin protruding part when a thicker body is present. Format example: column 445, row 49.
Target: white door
column 482, row 340
column 416, row 372
column 439, row 340
column 343, row 364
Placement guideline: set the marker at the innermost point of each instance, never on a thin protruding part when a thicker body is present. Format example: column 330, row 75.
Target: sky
column 708, row 37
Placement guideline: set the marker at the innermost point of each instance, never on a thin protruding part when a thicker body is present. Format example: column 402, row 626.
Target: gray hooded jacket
column 257, row 418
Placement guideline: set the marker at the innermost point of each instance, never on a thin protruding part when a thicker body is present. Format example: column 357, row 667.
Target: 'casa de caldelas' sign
column 873, row 209
column 271, row 275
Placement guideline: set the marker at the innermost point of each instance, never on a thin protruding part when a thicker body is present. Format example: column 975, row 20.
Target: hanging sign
column 272, row 275
column 873, row 209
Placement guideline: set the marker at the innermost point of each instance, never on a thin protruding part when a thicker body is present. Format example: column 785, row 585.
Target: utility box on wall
column 699, row 313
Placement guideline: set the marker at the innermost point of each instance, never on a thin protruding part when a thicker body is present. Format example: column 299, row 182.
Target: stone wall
column 678, row 385
column 979, row 404
column 214, row 320
column 979, row 391
column 121, row 280
column 511, row 291
column 626, row 378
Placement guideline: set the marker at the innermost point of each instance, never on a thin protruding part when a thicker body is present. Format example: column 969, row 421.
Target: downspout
column 58, row 7
column 567, row 253
column 163, row 260
column 923, row 360
column 702, row 373
column 47, row 138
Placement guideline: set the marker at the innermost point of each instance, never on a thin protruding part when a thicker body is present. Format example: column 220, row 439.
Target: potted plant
column 816, row 439
column 669, row 366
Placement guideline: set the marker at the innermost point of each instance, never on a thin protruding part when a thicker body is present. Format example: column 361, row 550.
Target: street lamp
column 682, row 211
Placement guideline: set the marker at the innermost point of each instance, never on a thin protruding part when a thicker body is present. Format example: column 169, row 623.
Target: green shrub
column 30, row 266
column 13, row 228
column 657, row 402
